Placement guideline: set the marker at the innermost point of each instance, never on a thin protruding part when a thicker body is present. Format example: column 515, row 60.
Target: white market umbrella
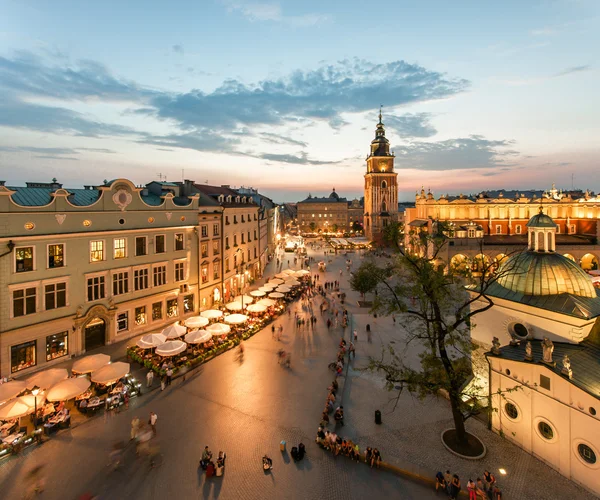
column 267, row 302
column 283, row 289
column 47, row 378
column 218, row 329
column 15, row 409
column 258, row 293
column 289, row 272
column 247, row 299
column 291, row 283
column 302, row 272
column 198, row 337
column 174, row 331
column 151, row 340
column 234, row 306
column 281, row 276
column 236, row 319
column 275, row 281
column 110, row 373
column 257, row 308
column 171, row 348
column 90, row 363
column 211, row 314
column 30, row 399
column 68, row 389
column 196, row 322
column 276, row 295
column 266, row 288
column 11, row 389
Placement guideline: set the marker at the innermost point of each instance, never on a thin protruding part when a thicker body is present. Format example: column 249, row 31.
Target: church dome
column 541, row 220
column 535, row 273
column 334, row 195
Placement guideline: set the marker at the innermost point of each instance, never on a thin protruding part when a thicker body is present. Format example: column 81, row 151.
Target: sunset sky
column 283, row 96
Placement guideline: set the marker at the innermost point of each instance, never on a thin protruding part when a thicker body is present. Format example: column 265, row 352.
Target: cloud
column 178, row 49
column 54, row 153
column 456, row 154
column 280, row 139
column 411, row 125
column 272, row 12
column 572, row 69
column 301, row 159
column 544, row 32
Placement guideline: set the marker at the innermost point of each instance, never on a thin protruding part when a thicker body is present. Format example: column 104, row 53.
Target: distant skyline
column 283, row 96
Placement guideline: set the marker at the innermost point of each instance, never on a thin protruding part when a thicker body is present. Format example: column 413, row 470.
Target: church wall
column 565, row 408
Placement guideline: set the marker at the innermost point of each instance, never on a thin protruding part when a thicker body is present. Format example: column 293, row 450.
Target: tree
column 437, row 312
column 356, row 226
column 313, row 226
column 334, row 228
column 366, row 278
column 392, row 233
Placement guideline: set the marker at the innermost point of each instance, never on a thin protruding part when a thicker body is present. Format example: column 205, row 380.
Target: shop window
column 172, row 308
column 179, row 241
column 56, row 255
column 119, row 248
column 586, row 453
column 188, row 304
column 546, row 430
column 120, row 283
column 57, row 346
column 140, row 279
column 55, row 295
column 157, row 312
column 123, row 321
column 179, row 271
column 545, row 382
column 159, row 275
column 511, row 411
column 159, row 243
column 140, row 246
column 24, row 259
column 23, row 356
column 140, row 315
column 96, row 251
column 24, row 301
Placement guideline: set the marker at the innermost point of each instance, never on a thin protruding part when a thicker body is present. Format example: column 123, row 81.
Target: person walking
column 169, row 375
column 135, row 426
column 149, row 378
column 152, row 421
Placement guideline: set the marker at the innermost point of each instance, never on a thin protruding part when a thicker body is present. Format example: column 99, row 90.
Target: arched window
column 383, row 184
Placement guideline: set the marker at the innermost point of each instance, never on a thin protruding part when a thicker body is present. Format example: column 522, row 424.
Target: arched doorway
column 94, row 334
column 459, row 262
column 480, row 263
column 589, row 262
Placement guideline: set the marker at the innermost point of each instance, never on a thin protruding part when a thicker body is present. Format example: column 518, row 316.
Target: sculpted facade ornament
column 548, row 349
column 566, row 367
column 122, row 198
column 60, row 218
column 528, row 352
column 169, row 215
column 496, row 346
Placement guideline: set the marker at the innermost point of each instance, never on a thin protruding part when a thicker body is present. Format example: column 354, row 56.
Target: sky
column 283, row 96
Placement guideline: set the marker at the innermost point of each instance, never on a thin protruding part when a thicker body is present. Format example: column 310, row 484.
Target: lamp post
column 35, row 393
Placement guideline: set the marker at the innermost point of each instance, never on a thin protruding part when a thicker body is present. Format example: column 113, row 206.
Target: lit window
column 24, row 259
column 188, row 303
column 179, row 241
column 57, row 346
column 23, row 356
column 215, row 229
column 216, row 249
column 204, row 231
column 140, row 315
column 157, row 311
column 204, row 250
column 56, row 256
column 172, row 309
column 96, row 251
column 119, row 248
column 122, row 322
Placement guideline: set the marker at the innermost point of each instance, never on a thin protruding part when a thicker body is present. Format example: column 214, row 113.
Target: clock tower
column 381, row 186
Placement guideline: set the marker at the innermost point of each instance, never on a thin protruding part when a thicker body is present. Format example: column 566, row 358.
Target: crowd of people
column 481, row 489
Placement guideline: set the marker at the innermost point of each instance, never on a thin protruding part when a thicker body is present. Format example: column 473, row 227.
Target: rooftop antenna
column 161, row 176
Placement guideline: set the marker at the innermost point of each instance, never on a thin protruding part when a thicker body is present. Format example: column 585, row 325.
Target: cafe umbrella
column 234, row 306
column 283, row 289
column 90, row 363
column 11, row 389
column 174, row 331
column 109, row 374
column 68, row 389
column 47, row 378
column 267, row 288
column 275, row 281
column 151, row 340
column 211, row 314
column 236, row 319
column 196, row 322
column 256, row 308
column 258, row 293
column 218, row 329
column 15, row 408
column 198, row 337
column 276, row 295
column 267, row 302
column 171, row 348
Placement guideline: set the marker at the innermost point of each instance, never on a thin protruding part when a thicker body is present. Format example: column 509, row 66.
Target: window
column 227, row 265
column 255, row 234
column 123, row 322
column 215, row 229
column 172, row 309
column 235, row 219
column 216, row 249
column 23, row 356
column 572, row 229
column 227, row 243
column 204, row 273
column 24, row 259
column 249, row 239
column 255, row 253
column 545, row 430
column 586, row 453
column 511, row 410
column 383, row 184
column 96, row 251
column 498, row 229
column 216, row 271
column 24, row 301
column 227, row 219
column 178, row 241
column 140, row 315
column 140, row 246
column 518, row 229
column 159, row 275
column 235, row 240
column 56, row 256
column 159, row 243
column 188, row 304
column 179, row 271
column 57, row 346
column 95, row 288
column 55, row 295
column 243, row 219
column 119, row 248
column 243, row 240
column 520, row 330
column 204, row 231
column 157, row 313
column 545, row 382
column 204, row 250
column 120, row 282
column 140, row 279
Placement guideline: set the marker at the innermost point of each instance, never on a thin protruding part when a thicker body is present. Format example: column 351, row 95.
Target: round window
column 29, row 226
column 545, row 430
column 151, row 220
column 520, row 330
column 121, row 221
column 87, row 223
column 511, row 410
column 507, row 372
column 586, row 453
column 592, row 410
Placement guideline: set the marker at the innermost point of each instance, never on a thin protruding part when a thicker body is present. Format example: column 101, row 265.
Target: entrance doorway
column 95, row 334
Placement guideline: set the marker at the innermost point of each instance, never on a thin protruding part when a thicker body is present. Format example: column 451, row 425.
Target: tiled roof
column 314, row 199
column 37, row 197
column 585, row 361
column 152, row 199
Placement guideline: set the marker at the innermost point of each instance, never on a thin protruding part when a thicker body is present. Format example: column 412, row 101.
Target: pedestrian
column 163, row 382
column 471, row 489
column 152, row 421
column 169, row 375
column 488, row 483
column 448, row 479
column 455, row 487
column 135, row 426
column 272, row 331
column 149, row 378
column 351, row 350
column 440, row 482
column 368, row 455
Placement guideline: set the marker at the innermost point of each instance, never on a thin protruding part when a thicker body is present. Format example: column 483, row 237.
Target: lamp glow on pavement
column 502, row 471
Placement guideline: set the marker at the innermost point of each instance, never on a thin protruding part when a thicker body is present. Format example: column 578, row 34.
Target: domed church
column 544, row 361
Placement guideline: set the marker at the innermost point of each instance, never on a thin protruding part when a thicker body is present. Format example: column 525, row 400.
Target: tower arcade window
column 383, row 184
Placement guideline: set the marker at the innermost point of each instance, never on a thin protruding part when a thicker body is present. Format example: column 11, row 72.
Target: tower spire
column 380, row 108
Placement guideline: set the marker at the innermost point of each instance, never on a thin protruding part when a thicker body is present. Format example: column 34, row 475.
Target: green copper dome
column 541, row 220
column 537, row 273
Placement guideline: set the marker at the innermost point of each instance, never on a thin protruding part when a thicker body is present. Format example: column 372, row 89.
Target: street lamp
column 35, row 393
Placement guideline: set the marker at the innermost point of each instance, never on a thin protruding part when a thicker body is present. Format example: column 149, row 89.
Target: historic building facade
column 81, row 268
column 498, row 221
column 323, row 214
column 381, row 186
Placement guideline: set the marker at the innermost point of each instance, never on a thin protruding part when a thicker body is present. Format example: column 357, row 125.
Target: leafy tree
column 356, row 226
column 392, row 234
column 334, row 228
column 438, row 312
column 313, row 226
